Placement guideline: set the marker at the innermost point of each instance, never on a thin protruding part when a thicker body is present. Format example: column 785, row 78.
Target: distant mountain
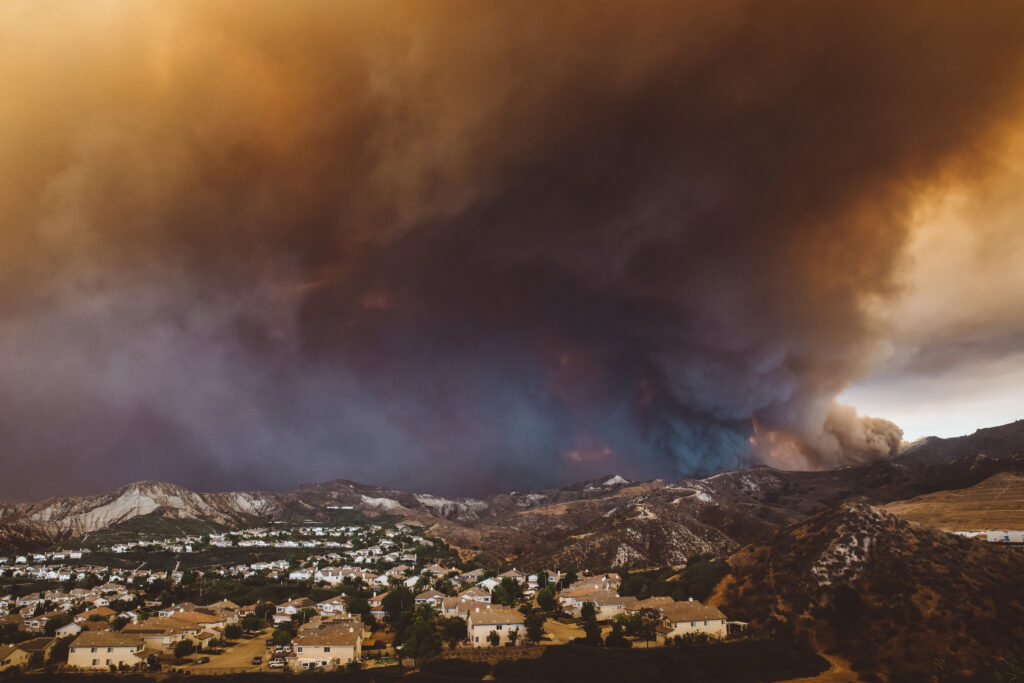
column 891, row 596
column 602, row 523
column 995, row 442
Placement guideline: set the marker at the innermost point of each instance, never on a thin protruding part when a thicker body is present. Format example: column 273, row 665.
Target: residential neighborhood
column 358, row 595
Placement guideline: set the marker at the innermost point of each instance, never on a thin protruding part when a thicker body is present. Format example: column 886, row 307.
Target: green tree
column 588, row 612
column 251, row 623
column 535, row 626
column 183, row 649
column 494, row 639
column 454, row 630
column 60, row 649
column 592, row 632
column 119, row 623
column 89, row 581
column 357, row 604
column 513, row 636
column 422, row 641
column 648, row 624
column 546, row 598
column 509, row 592
column 281, row 637
column 233, row 631
column 616, row 637
column 396, row 602
column 54, row 623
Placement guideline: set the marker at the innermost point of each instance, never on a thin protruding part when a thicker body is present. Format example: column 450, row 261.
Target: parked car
column 256, row 661
column 203, row 660
column 276, row 664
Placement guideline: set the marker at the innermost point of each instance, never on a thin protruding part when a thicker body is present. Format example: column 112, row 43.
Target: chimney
column 691, row 599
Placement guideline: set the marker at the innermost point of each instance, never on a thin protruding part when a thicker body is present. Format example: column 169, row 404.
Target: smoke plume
column 463, row 246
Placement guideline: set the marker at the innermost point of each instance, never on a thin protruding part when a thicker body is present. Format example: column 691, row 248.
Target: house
column 39, row 623
column 161, row 633
column 483, row 619
column 473, row 576
column 71, row 629
column 335, row 605
column 377, row 606
column 285, row 611
column 98, row 614
column 102, row 649
column 327, row 647
column 43, row 646
column 658, row 602
column 430, row 597
column 12, row 656
column 248, row 610
column 691, row 616
column 331, row 575
column 202, row 620
column 489, row 584
column 457, row 607
column 607, row 604
column 517, row 576
column 477, row 594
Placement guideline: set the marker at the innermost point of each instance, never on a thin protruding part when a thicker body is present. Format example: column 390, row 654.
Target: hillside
column 889, row 595
column 996, row 503
column 608, row 522
column 994, row 442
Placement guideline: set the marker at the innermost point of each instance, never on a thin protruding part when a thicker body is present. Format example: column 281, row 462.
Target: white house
column 101, row 649
column 483, row 619
column 327, row 647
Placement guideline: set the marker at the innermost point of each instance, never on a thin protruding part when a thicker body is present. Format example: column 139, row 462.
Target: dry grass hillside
column 996, row 503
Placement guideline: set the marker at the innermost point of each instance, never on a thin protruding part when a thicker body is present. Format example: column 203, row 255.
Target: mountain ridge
column 607, row 522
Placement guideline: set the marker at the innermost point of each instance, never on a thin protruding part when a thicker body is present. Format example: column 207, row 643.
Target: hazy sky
column 465, row 247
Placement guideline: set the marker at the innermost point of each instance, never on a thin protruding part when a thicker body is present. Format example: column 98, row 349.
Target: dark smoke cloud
column 464, row 246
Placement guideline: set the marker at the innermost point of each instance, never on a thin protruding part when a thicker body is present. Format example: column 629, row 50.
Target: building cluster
column 116, row 624
column 1002, row 537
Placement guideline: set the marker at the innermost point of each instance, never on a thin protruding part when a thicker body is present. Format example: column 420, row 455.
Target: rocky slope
column 890, row 595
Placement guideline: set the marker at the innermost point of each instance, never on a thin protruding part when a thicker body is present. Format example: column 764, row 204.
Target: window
column 693, row 624
column 705, row 622
column 300, row 648
column 110, row 649
column 95, row 662
column 92, row 649
column 327, row 649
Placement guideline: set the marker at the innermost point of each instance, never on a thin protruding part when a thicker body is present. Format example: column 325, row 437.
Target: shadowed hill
column 890, row 595
column 995, row 442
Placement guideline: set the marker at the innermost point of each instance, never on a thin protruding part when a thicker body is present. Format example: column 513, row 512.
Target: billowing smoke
column 463, row 246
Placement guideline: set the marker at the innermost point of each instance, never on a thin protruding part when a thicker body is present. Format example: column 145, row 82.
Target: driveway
column 238, row 656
